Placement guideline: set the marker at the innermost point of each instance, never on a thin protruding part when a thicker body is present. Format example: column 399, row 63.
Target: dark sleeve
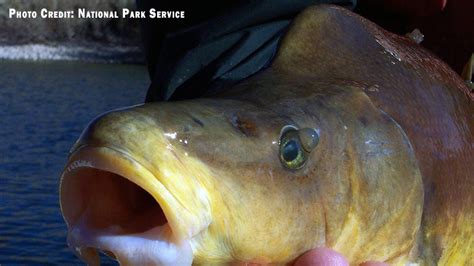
column 216, row 45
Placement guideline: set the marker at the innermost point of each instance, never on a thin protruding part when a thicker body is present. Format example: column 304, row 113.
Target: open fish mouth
column 114, row 205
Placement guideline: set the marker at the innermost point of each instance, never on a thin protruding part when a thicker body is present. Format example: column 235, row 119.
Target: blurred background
column 99, row 40
column 56, row 75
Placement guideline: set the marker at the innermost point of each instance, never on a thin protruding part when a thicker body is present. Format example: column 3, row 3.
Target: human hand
column 328, row 257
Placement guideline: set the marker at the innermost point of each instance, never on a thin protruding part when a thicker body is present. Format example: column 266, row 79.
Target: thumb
column 321, row 257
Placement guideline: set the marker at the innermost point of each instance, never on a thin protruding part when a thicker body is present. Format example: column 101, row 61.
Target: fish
column 354, row 138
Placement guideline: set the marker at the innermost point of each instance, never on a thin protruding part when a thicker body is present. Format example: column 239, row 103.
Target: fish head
column 184, row 181
column 154, row 170
column 285, row 161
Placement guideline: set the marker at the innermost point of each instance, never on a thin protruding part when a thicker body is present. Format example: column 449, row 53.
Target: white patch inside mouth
column 153, row 247
column 107, row 212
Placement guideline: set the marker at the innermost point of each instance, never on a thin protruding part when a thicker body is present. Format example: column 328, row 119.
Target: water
column 43, row 109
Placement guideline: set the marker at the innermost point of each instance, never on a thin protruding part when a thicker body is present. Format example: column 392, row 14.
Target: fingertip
column 321, row 257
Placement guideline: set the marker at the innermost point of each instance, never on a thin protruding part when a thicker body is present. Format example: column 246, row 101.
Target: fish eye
column 292, row 154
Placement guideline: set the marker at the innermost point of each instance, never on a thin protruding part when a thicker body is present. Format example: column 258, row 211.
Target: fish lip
column 121, row 163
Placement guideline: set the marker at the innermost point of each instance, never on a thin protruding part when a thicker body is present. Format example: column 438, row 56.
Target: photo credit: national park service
column 270, row 132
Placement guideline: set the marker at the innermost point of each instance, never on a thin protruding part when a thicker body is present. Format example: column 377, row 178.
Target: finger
column 321, row 257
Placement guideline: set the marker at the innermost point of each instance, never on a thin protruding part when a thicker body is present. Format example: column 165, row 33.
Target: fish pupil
column 290, row 151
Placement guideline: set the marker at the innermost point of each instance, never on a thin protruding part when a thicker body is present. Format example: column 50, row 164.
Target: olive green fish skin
column 391, row 166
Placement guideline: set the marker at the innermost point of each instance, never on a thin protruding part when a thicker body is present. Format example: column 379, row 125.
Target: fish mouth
column 112, row 204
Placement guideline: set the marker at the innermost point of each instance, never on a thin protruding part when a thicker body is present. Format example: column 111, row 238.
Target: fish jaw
column 113, row 203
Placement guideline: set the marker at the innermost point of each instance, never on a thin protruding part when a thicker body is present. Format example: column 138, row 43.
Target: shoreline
column 93, row 52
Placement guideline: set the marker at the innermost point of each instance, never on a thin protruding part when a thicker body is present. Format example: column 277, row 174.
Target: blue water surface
column 43, row 109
